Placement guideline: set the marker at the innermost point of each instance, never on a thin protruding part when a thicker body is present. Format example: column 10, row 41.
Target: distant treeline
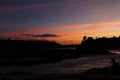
column 101, row 43
column 43, row 51
column 25, row 47
column 28, row 43
column 87, row 42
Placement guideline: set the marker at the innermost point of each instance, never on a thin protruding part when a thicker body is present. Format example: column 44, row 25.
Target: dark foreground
column 111, row 72
column 29, row 53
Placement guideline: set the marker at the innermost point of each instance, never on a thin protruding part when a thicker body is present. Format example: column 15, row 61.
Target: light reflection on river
column 66, row 66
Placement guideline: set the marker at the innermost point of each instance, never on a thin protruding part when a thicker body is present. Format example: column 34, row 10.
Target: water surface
column 68, row 66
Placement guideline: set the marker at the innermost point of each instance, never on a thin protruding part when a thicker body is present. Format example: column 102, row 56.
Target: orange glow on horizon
column 73, row 34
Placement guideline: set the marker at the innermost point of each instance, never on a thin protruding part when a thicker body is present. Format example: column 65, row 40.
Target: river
column 68, row 66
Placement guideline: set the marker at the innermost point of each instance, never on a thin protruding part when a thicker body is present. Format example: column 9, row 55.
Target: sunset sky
column 63, row 21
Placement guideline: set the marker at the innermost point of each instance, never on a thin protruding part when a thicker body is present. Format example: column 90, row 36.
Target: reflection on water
column 115, row 51
column 66, row 66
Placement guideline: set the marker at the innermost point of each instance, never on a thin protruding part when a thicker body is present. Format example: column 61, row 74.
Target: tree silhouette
column 84, row 38
column 103, row 42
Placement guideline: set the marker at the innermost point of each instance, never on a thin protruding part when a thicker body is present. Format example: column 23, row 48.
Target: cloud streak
column 73, row 32
column 71, row 28
column 40, row 36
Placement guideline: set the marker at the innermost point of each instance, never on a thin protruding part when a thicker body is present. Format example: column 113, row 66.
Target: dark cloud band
column 41, row 35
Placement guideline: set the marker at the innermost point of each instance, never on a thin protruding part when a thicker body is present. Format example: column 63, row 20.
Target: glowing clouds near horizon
column 70, row 34
column 63, row 21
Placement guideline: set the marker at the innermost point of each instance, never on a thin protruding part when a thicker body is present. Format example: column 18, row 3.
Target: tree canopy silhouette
column 103, row 42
